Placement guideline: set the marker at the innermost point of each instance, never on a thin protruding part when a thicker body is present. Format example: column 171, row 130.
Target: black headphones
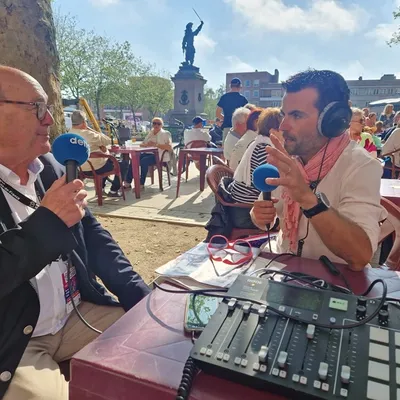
column 334, row 119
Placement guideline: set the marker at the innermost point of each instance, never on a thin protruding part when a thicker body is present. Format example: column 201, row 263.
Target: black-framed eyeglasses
column 41, row 107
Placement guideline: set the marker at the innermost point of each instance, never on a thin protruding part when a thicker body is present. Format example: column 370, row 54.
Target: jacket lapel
column 6, row 219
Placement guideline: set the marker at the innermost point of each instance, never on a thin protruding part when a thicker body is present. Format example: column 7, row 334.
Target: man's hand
column 290, row 175
column 263, row 212
column 67, row 201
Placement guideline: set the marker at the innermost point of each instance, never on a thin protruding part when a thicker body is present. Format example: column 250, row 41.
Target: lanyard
column 19, row 196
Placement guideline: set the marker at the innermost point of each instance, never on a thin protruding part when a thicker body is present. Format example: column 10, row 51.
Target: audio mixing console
column 248, row 343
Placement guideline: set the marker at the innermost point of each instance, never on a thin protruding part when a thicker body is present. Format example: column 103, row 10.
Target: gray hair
column 240, row 116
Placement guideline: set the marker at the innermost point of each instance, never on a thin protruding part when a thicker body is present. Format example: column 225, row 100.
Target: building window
column 256, row 93
column 276, row 93
column 247, row 83
column 247, row 93
column 256, row 83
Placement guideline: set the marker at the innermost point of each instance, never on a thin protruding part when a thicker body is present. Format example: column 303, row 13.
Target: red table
column 134, row 153
column 143, row 354
column 202, row 152
column 390, row 189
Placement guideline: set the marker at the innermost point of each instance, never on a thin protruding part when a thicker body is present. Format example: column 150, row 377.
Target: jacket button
column 5, row 376
column 28, row 330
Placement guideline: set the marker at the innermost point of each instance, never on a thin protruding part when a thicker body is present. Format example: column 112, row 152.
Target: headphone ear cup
column 335, row 120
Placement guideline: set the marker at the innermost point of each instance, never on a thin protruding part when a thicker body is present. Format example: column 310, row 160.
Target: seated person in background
column 385, row 135
column 197, row 132
column 329, row 187
column 216, row 132
column 240, row 188
column 98, row 142
column 239, row 120
column 391, row 144
column 371, row 120
column 379, row 128
column 387, row 117
column 245, row 140
column 364, row 139
column 157, row 137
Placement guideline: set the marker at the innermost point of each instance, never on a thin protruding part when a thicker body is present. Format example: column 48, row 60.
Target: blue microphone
column 260, row 174
column 72, row 151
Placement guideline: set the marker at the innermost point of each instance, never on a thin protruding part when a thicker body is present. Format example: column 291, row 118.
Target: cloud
column 204, row 43
column 383, row 33
column 235, row 64
column 352, row 70
column 322, row 16
column 104, row 3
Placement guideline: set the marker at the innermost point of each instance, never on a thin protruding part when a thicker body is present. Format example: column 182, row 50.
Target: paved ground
column 192, row 207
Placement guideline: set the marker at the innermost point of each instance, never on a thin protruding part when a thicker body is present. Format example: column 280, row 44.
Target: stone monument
column 188, row 81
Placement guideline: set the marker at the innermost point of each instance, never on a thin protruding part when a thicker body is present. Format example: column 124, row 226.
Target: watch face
column 324, row 199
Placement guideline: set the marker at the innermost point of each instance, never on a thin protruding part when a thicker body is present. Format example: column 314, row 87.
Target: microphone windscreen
column 263, row 172
column 70, row 147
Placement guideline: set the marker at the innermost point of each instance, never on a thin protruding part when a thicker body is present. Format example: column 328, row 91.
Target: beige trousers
column 38, row 375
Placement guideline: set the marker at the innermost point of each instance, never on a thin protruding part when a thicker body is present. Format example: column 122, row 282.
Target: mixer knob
column 282, row 359
column 361, row 312
column 263, row 354
column 385, row 306
column 345, row 374
column 362, row 301
column 383, row 318
column 310, row 331
column 323, row 371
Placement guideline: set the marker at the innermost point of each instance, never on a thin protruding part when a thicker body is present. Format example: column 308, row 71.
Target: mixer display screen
column 296, row 297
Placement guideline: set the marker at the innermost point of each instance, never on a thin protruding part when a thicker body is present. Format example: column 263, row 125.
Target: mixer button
column 310, row 331
column 226, row 357
column 256, row 366
column 244, row 363
column 378, row 371
column 282, row 308
column 232, row 304
column 315, row 317
column 263, row 368
column 344, row 392
column 345, row 374
column 238, row 360
column 262, row 310
column 303, row 380
column 380, row 335
column 220, row 356
column 332, row 320
column 263, row 354
column 275, row 372
column 246, row 307
column 203, row 351
column 380, row 352
column 397, row 356
column 317, row 384
column 296, row 378
column 282, row 374
column 397, row 338
column 209, row 353
column 377, row 391
column 398, row 376
column 325, row 387
column 282, row 359
column 323, row 371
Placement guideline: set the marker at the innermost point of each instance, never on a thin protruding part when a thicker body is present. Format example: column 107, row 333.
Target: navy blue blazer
column 26, row 249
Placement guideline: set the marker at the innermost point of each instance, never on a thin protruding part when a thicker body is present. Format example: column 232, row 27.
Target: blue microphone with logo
column 260, row 174
column 72, row 151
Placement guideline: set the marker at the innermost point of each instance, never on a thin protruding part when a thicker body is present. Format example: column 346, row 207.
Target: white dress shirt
column 48, row 282
column 240, row 148
column 162, row 137
column 196, row 134
column 231, row 139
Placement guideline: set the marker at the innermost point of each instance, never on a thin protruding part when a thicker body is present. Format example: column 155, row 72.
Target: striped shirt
column 242, row 193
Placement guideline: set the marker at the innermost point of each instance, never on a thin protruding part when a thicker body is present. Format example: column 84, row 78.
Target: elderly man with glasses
column 42, row 220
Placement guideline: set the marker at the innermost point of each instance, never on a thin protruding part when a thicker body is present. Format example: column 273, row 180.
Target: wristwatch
column 323, row 205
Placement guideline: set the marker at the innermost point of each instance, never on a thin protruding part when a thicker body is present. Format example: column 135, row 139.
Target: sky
column 347, row 36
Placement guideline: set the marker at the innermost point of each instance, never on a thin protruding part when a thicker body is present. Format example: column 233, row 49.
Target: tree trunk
column 27, row 42
column 98, row 109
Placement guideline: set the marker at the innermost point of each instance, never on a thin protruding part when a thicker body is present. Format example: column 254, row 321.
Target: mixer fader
column 248, row 343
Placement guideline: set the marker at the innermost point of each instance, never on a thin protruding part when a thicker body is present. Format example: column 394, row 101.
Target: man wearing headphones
column 327, row 199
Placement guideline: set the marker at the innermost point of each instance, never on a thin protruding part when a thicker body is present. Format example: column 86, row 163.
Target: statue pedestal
column 189, row 93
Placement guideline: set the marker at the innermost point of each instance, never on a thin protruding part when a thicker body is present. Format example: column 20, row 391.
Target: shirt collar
column 34, row 169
